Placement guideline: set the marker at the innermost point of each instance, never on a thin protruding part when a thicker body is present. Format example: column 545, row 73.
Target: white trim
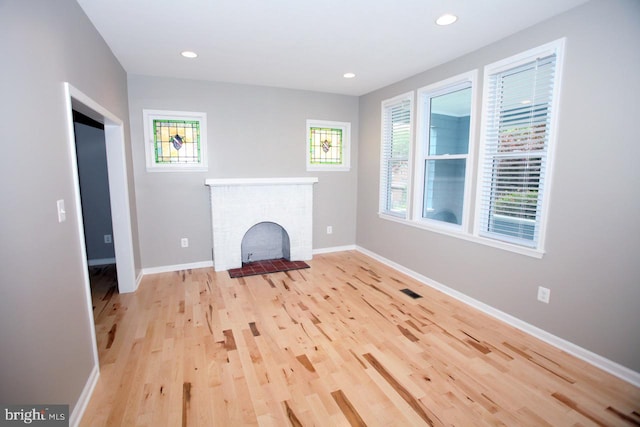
column 384, row 193
column 345, row 127
column 118, row 186
column 588, row 356
column 148, row 116
column 208, row 264
column 139, row 278
column 556, row 47
column 101, row 261
column 458, row 233
column 423, row 133
column 225, row 182
column 176, row 267
column 120, row 212
column 77, row 207
column 81, row 405
column 334, row 249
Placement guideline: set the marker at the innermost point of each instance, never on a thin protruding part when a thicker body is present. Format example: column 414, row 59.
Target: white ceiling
column 305, row 44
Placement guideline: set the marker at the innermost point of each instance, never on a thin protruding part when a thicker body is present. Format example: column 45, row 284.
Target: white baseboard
column 177, row 267
column 207, row 264
column 588, row 356
column 100, row 261
column 139, row 279
column 334, row 249
column 81, row 405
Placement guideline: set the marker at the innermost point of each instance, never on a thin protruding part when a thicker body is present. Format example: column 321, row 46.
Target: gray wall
column 593, row 236
column 94, row 188
column 253, row 132
column 46, row 354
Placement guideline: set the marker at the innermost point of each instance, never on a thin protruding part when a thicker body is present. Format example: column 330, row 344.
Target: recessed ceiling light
column 348, row 75
column 446, row 19
column 189, row 54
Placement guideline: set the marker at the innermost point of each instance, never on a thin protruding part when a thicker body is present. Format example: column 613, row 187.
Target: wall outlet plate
column 184, row 242
column 544, row 294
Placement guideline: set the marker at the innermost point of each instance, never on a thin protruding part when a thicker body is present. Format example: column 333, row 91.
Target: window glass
column 175, row 140
column 518, row 117
column 396, row 148
column 444, row 199
column 445, row 121
column 328, row 145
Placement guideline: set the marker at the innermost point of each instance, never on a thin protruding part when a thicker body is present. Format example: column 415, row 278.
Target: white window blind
column 517, row 135
column 396, row 146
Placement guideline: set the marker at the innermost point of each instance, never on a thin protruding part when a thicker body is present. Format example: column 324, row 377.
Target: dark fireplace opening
column 265, row 241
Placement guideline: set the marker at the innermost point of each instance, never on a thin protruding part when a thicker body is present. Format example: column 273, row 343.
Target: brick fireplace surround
column 239, row 204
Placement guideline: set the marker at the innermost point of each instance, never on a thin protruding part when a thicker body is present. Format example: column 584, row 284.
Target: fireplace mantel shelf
column 225, row 182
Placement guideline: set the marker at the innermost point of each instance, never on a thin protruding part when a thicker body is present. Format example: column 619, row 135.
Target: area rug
column 266, row 267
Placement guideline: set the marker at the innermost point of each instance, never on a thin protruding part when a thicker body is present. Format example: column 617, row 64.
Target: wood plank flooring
column 334, row 345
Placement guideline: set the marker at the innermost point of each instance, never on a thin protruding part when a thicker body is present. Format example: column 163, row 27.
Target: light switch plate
column 62, row 214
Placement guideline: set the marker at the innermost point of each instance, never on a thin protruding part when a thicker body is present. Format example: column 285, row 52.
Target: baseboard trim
column 334, row 249
column 139, row 279
column 207, row 264
column 100, row 261
column 588, row 356
column 176, row 267
column 81, row 405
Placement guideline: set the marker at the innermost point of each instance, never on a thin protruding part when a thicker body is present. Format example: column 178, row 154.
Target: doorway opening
column 93, row 178
column 118, row 185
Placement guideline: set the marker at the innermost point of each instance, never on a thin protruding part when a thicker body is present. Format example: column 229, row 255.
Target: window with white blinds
column 397, row 117
column 520, row 105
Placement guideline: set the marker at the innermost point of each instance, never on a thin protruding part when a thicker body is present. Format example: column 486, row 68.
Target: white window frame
column 425, row 94
column 384, row 191
column 537, row 250
column 471, row 224
column 149, row 140
column 345, row 127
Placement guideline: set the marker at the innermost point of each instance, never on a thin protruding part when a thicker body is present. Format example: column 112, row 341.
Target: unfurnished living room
column 330, row 213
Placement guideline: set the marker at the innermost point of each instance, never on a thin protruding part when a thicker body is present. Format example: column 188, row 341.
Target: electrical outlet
column 329, row 229
column 184, row 242
column 107, row 239
column 544, row 294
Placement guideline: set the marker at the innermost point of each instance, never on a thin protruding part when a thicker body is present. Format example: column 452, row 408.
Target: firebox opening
column 265, row 241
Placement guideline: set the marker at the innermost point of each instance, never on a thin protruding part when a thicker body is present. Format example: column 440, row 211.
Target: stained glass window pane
column 325, row 145
column 177, row 141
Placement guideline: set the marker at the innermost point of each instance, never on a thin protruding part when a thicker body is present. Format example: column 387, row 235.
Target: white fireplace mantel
column 237, row 204
column 225, row 182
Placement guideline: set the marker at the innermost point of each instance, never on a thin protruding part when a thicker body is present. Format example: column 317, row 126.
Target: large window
column 444, row 140
column 518, row 134
column 396, row 146
column 429, row 182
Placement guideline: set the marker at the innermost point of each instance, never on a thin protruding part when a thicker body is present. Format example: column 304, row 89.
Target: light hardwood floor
column 334, row 345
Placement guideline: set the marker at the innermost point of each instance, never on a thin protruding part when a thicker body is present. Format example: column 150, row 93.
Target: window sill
column 328, row 168
column 530, row 252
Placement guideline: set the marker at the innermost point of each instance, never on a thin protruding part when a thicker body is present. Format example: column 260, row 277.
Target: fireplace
column 265, row 241
column 238, row 205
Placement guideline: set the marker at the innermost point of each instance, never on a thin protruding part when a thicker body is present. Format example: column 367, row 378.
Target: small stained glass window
column 175, row 140
column 328, row 145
